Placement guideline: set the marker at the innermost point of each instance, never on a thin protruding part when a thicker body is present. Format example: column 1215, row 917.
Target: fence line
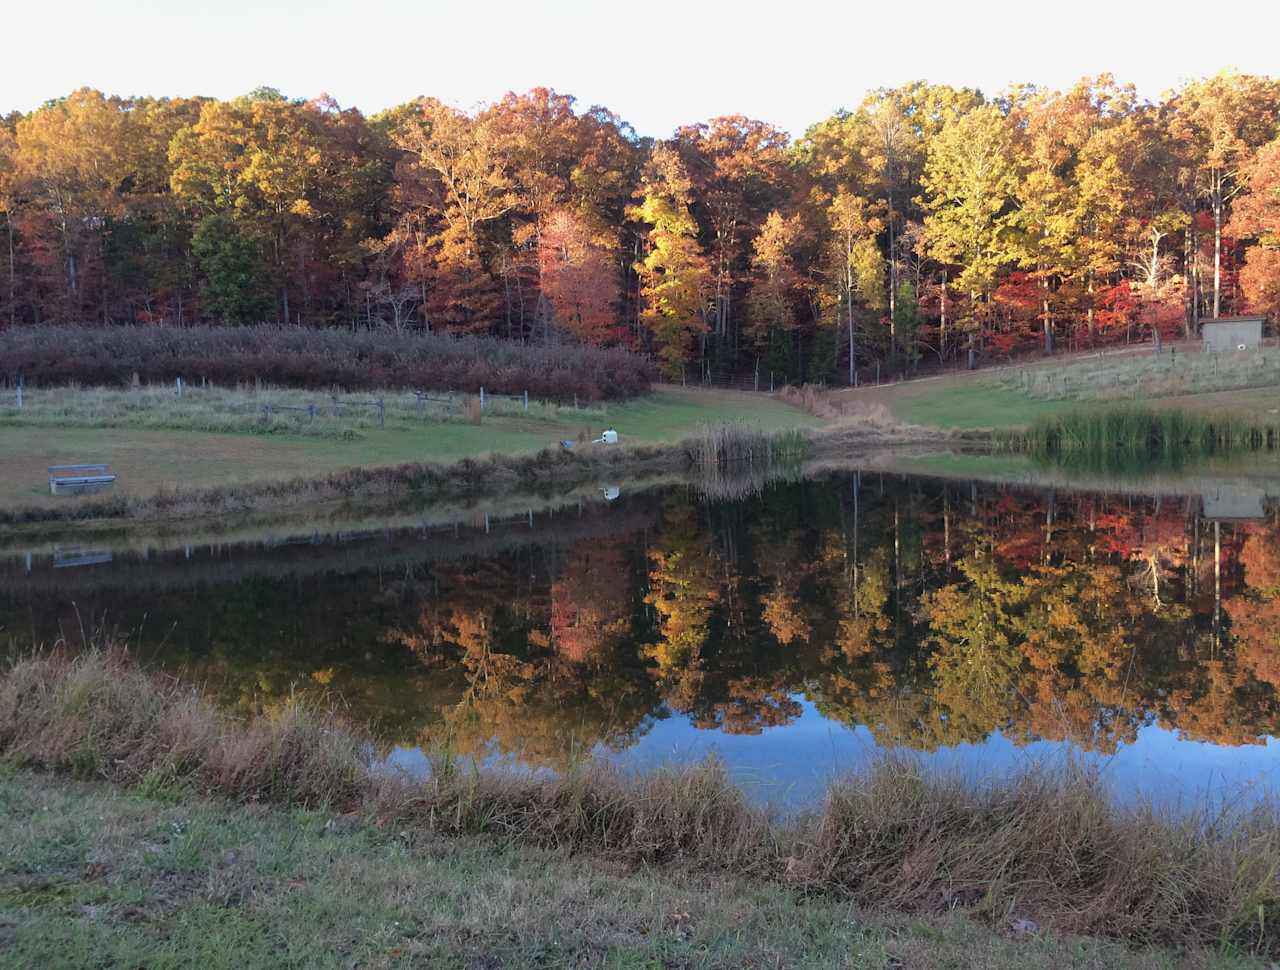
column 334, row 406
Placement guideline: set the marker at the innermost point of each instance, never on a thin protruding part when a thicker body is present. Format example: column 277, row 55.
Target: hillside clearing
column 1247, row 385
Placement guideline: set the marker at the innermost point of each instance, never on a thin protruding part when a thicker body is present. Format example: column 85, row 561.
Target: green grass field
column 92, row 876
column 150, row 458
column 1014, row 398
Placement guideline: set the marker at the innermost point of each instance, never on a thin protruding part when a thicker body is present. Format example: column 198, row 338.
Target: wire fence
column 209, row 405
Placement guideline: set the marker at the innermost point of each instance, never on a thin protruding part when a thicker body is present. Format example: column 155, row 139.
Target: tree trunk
column 1048, row 323
column 852, row 365
column 893, row 286
column 13, row 279
column 1190, row 322
column 848, row 300
column 942, row 328
column 1088, row 313
column 1217, row 258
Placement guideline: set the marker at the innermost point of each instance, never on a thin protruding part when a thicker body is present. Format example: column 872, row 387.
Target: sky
column 656, row 63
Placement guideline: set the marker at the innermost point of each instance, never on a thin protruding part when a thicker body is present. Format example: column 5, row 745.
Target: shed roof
column 1258, row 318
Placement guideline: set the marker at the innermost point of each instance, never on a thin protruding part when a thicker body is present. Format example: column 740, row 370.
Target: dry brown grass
column 1046, row 846
column 1052, row 843
column 96, row 714
column 822, row 403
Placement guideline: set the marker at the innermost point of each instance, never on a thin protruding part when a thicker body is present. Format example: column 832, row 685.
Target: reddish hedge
column 295, row 357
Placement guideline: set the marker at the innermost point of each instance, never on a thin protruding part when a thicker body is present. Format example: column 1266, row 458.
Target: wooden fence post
column 482, row 399
column 19, row 395
column 311, row 412
column 178, row 384
column 382, row 413
column 526, row 400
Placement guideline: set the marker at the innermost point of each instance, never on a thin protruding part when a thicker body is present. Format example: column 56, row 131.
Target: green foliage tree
column 234, row 286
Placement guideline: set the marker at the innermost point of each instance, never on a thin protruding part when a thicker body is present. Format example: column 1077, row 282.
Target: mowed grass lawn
column 147, row 460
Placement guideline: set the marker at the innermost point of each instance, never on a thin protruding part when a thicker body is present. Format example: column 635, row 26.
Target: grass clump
column 1141, row 433
column 1046, row 846
column 734, row 460
column 97, row 715
column 739, row 443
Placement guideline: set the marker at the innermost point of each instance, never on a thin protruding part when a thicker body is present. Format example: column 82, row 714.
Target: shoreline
column 543, row 472
column 129, row 875
column 1047, row 848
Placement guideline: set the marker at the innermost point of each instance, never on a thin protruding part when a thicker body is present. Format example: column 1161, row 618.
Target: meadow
column 1244, row 384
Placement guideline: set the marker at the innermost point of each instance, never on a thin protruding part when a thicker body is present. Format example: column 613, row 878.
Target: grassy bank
column 550, row 469
column 111, row 426
column 1245, row 385
column 467, row 477
column 1047, row 848
column 94, row 875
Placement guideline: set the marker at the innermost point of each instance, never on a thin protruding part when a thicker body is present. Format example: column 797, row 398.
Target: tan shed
column 1232, row 333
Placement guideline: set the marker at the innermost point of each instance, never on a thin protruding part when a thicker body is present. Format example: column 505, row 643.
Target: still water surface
column 794, row 634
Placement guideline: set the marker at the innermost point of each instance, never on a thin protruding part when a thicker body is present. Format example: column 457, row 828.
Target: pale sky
column 657, row 63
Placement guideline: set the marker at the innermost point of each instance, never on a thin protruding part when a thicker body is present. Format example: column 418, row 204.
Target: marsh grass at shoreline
column 1137, row 440
column 1048, row 846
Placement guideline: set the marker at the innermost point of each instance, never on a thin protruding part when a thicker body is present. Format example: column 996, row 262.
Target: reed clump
column 1141, row 432
column 739, row 443
column 1045, row 845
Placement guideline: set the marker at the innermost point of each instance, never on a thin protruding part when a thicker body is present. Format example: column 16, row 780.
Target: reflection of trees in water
column 932, row 613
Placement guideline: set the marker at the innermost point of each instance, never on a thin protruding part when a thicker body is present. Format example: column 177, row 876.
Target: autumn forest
column 928, row 224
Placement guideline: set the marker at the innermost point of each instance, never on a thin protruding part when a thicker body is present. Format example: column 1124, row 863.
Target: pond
column 795, row 633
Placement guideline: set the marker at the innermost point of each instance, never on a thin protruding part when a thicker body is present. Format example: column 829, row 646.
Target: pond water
column 795, row 633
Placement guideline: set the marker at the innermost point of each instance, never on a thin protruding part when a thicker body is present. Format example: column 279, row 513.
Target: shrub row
column 297, row 357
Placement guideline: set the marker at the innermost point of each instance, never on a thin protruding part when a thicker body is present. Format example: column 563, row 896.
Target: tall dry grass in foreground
column 1048, row 846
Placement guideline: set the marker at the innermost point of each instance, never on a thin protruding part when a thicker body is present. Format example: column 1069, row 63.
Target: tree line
column 929, row 223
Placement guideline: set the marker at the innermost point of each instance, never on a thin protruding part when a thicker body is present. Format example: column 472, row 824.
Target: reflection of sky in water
column 265, row 612
column 791, row 765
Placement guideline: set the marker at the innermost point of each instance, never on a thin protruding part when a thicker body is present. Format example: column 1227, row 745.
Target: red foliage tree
column 579, row 279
